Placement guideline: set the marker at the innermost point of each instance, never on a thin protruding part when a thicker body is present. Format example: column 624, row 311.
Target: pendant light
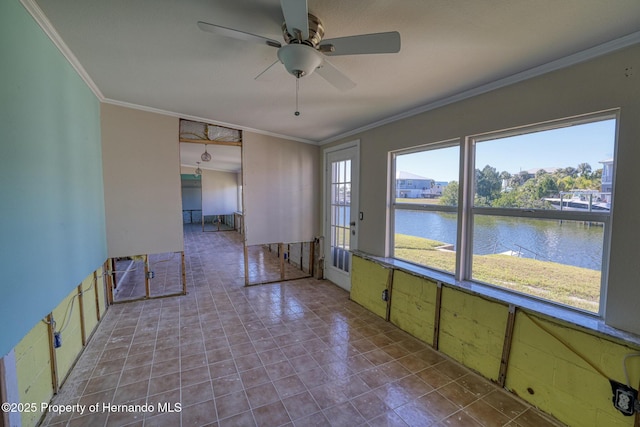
column 198, row 171
column 205, row 156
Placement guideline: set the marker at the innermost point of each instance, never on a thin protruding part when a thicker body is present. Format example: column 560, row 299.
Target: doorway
column 210, row 189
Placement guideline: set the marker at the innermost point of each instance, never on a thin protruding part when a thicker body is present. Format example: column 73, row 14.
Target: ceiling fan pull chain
column 297, row 113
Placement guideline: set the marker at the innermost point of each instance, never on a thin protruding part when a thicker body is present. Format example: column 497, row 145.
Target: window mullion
column 464, row 254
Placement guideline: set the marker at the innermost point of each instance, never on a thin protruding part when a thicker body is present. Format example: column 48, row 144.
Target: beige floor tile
column 296, row 353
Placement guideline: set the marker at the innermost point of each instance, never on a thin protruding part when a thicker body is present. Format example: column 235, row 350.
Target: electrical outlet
column 57, row 340
column 625, row 398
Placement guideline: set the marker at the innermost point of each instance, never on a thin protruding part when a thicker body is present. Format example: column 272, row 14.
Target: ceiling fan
column 305, row 51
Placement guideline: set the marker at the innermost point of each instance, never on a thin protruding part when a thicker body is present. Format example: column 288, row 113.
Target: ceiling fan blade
column 236, row 34
column 296, row 16
column 335, row 77
column 363, row 44
column 265, row 71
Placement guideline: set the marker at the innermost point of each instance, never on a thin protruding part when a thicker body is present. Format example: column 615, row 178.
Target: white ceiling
column 223, row 157
column 150, row 53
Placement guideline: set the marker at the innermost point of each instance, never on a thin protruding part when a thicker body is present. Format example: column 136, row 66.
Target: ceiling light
column 205, row 156
column 299, row 59
column 198, row 171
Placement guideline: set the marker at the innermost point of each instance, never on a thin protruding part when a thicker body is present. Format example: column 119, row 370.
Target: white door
column 341, row 212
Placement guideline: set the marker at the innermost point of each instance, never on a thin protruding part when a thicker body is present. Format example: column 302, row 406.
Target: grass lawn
column 573, row 286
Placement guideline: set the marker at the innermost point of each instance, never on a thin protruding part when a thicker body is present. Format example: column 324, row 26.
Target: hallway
column 296, row 353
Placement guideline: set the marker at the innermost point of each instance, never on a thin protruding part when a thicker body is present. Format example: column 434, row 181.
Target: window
column 537, row 210
column 425, row 216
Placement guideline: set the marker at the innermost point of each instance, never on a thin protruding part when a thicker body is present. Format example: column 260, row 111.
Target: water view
column 568, row 242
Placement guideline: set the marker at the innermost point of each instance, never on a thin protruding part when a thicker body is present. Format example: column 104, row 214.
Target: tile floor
column 299, row 353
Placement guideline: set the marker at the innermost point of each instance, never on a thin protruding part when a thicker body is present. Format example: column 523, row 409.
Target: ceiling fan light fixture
column 299, row 60
column 205, row 156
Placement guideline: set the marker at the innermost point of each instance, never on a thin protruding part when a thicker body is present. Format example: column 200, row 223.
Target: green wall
column 52, row 219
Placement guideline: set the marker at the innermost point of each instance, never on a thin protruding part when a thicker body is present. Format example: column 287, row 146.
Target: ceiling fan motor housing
column 316, row 32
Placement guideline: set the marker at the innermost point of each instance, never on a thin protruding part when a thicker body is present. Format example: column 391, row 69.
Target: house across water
column 412, row 186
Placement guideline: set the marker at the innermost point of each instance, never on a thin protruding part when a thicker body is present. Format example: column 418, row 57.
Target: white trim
column 567, row 61
column 205, row 120
column 44, row 23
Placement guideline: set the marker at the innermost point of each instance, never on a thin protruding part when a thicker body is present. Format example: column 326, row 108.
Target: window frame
column 466, row 211
column 393, row 205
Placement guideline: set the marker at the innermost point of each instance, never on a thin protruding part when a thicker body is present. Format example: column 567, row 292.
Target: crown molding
column 41, row 19
column 38, row 15
column 567, row 61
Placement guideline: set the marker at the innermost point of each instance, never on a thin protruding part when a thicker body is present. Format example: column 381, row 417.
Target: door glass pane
column 340, row 213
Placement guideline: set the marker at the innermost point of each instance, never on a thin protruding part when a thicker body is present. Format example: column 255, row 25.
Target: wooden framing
column 83, row 331
column 233, row 225
column 281, row 256
column 184, row 274
column 312, row 248
column 55, row 382
column 246, row 264
column 506, row 347
column 97, row 295
column 389, row 293
column 110, row 275
column 210, row 142
column 147, row 284
column 436, row 320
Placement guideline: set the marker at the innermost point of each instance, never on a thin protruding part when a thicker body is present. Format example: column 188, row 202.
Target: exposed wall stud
column 109, row 266
column 147, row 284
column 184, row 274
column 83, row 331
column 506, row 347
column 390, row 293
column 52, row 355
column 246, row 264
column 301, row 256
column 97, row 295
column 436, row 320
column 281, row 254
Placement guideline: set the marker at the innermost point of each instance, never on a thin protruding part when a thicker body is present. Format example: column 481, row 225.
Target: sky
column 568, row 146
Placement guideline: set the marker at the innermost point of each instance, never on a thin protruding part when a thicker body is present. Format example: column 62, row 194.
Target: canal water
column 567, row 242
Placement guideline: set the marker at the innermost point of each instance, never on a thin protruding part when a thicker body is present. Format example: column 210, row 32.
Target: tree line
column 524, row 190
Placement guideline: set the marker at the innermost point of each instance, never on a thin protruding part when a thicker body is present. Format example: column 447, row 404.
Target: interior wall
column 472, row 329
column 281, row 184
column 191, row 196
column 52, row 210
column 595, row 85
column 141, row 161
column 33, row 362
column 219, row 192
